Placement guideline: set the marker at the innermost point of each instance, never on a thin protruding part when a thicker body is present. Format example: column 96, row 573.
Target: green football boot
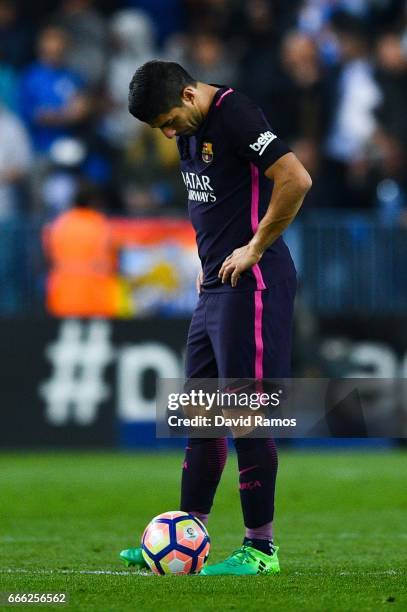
column 246, row 561
column 133, row 557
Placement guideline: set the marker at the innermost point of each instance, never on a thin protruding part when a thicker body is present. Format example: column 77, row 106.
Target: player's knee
column 261, row 451
column 210, row 454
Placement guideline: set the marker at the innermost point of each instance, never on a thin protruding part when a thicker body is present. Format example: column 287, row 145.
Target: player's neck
column 206, row 96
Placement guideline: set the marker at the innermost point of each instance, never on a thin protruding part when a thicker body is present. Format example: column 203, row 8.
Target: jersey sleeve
column 250, row 133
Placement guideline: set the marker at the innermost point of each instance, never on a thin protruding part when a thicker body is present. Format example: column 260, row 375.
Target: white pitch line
column 20, row 570
column 13, row 540
column 361, row 573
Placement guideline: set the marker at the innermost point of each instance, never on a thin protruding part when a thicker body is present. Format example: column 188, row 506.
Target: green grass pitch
column 341, row 523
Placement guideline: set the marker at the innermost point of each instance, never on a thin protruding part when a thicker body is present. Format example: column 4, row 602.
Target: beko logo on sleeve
column 262, row 142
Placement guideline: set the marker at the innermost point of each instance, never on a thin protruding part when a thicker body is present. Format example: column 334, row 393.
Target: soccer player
column 244, row 188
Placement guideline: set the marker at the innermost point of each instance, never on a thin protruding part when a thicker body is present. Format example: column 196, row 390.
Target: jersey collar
column 221, row 90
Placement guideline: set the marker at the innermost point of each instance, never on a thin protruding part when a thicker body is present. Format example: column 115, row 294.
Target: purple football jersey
column 223, row 167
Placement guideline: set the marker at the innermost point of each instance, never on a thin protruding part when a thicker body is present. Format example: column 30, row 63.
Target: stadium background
column 332, row 76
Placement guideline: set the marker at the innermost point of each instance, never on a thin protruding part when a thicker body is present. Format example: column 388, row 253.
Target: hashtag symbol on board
column 79, row 358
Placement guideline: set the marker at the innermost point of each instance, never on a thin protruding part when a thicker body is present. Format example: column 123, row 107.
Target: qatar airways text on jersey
column 199, row 187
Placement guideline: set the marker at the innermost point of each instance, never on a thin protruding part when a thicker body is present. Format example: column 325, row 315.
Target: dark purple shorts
column 245, row 334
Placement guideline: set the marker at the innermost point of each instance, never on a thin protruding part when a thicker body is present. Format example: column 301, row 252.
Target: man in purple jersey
column 244, row 188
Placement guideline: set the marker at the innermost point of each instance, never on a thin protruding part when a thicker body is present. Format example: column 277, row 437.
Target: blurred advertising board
column 93, row 383
column 77, row 383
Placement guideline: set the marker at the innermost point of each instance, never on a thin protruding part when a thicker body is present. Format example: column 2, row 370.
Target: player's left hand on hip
column 236, row 263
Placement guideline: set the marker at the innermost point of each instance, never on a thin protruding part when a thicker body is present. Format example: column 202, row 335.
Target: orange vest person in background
column 83, row 277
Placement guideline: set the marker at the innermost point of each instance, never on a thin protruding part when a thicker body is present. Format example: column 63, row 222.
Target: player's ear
column 188, row 94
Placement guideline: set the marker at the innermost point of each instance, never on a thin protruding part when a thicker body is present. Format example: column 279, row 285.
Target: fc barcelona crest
column 207, row 152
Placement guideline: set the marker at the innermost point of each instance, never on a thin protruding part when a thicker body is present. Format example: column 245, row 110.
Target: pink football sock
column 202, row 517
column 264, row 532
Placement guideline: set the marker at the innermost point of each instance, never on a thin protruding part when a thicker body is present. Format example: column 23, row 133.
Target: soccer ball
column 175, row 543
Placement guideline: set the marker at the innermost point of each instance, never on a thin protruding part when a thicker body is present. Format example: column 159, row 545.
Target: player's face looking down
column 183, row 120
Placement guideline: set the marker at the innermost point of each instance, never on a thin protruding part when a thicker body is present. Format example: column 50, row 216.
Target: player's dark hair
column 156, row 88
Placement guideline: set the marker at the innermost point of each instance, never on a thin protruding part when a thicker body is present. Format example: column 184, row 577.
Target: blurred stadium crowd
column 330, row 74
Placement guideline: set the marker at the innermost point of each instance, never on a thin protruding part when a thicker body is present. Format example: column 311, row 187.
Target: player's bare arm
column 291, row 184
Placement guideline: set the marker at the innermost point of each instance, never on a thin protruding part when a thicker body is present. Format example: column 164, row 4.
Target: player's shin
column 258, row 463
column 202, row 469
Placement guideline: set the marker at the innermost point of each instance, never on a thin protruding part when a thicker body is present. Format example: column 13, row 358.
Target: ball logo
column 207, row 152
column 190, row 532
